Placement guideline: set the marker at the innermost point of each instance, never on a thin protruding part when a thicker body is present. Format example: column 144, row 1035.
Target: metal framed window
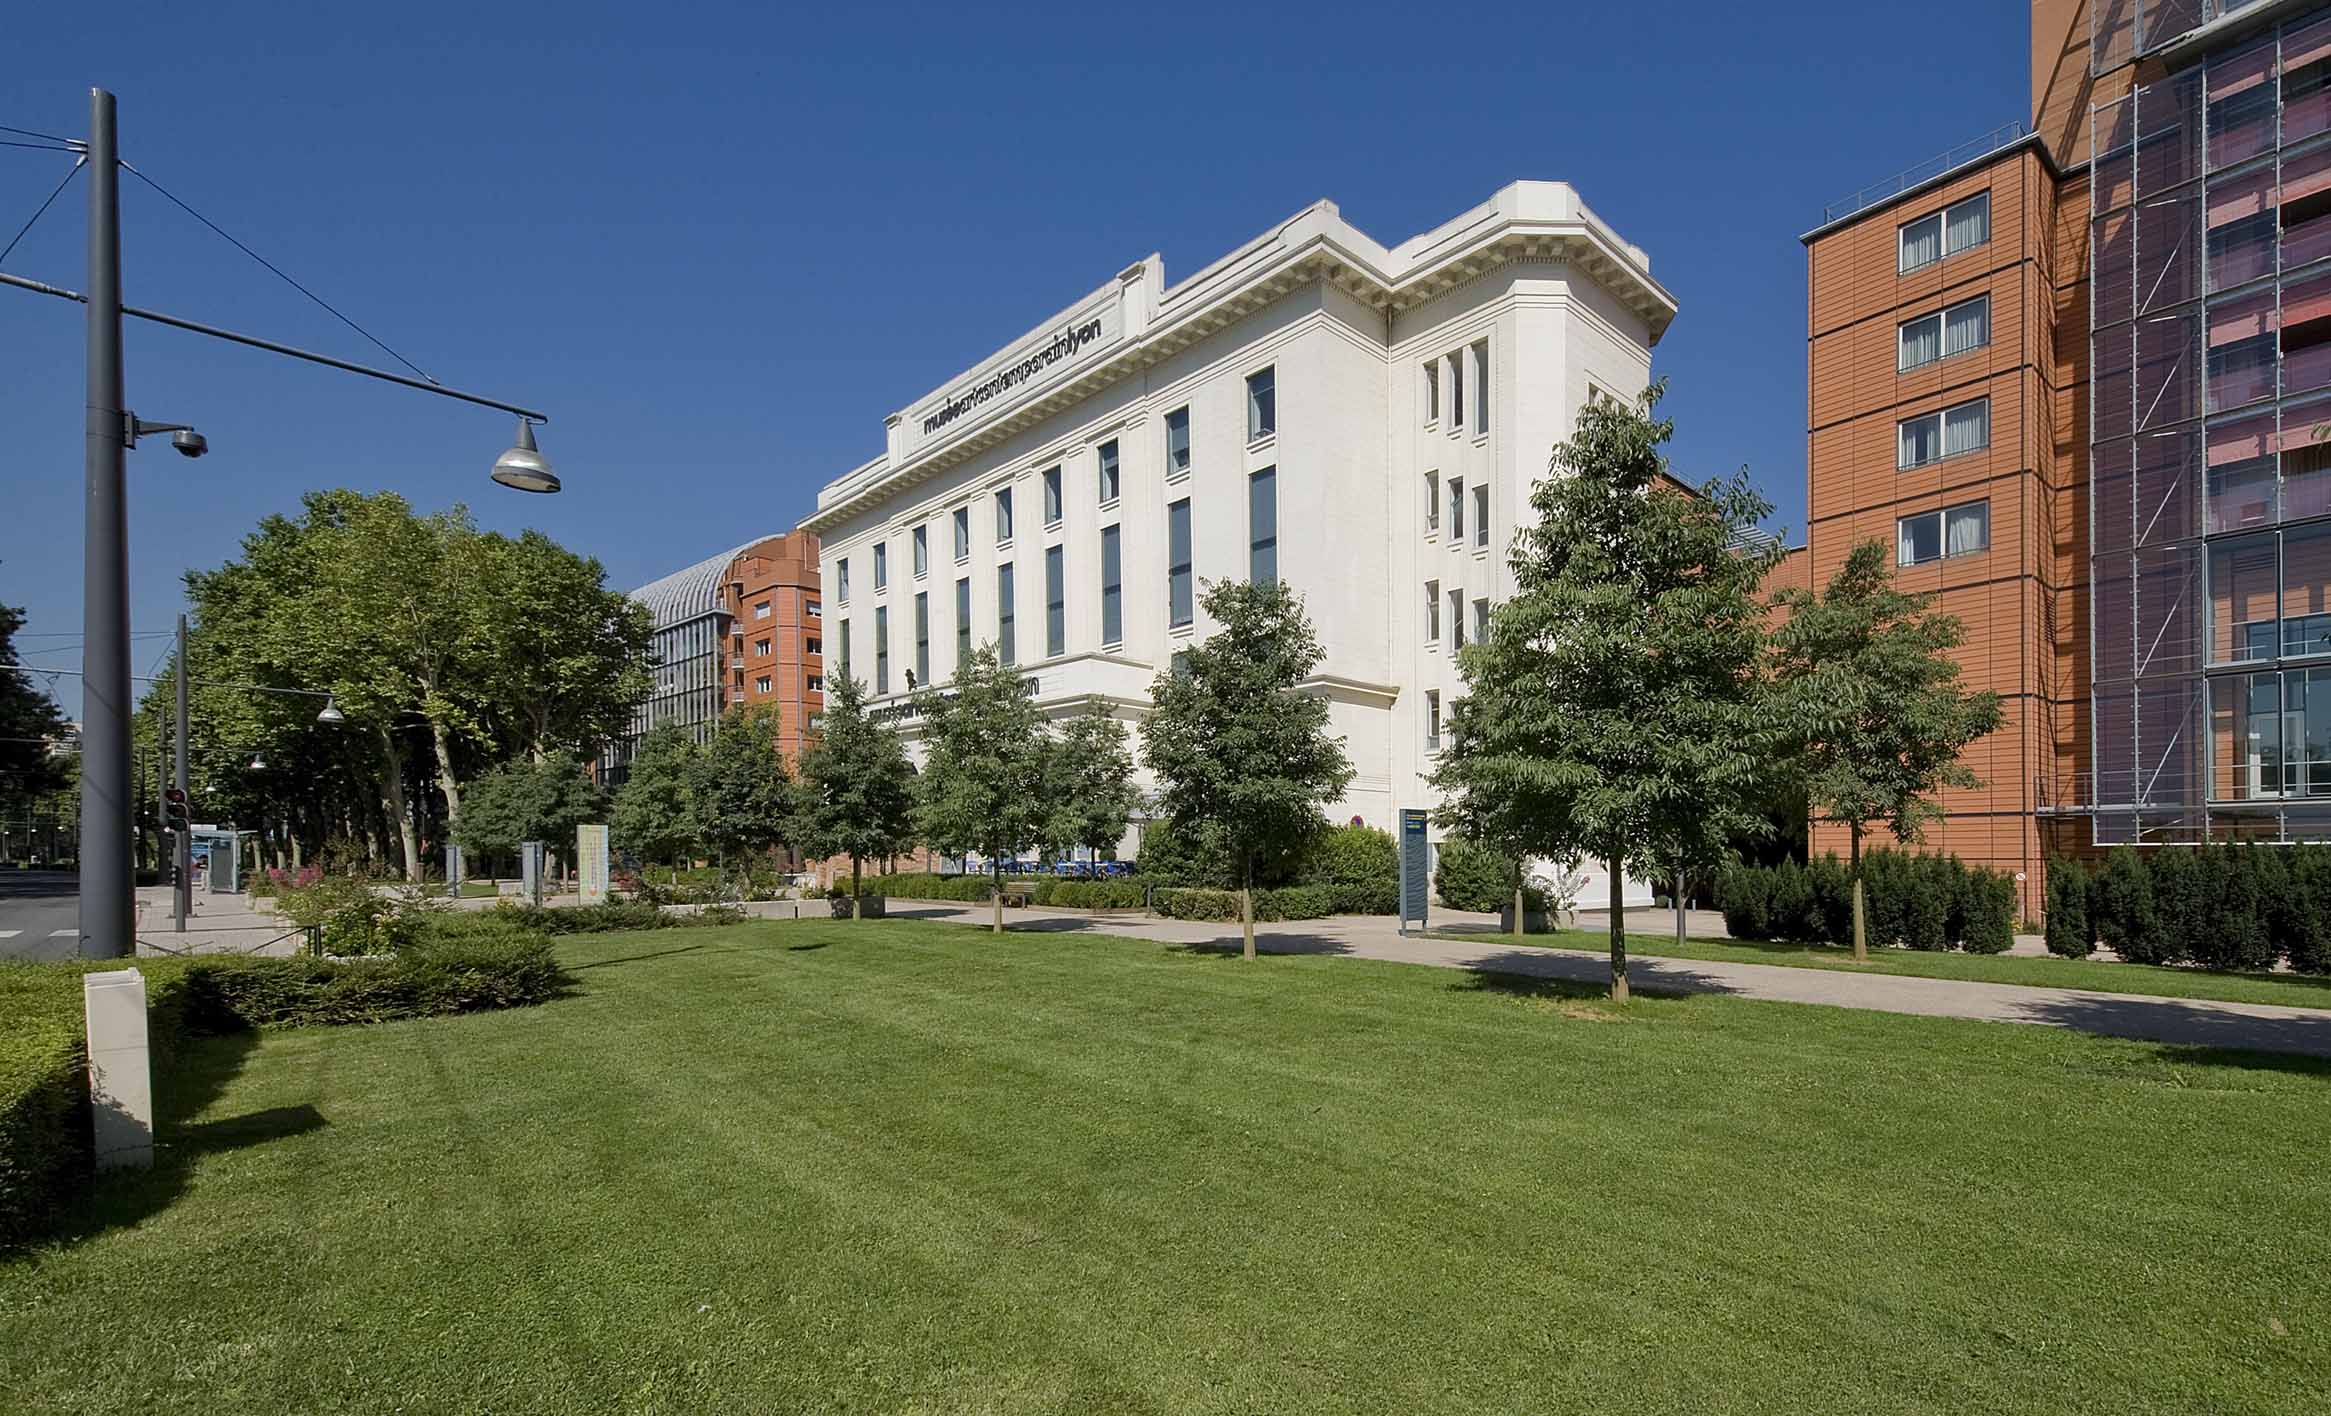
column 1109, row 471
column 1962, row 530
column 1262, row 404
column 1456, row 619
column 1112, row 588
column 1007, row 642
column 1432, row 502
column 1931, row 437
column 1432, row 391
column 962, row 533
column 1180, row 609
column 881, row 564
column 1481, row 387
column 881, row 649
column 1177, row 443
column 1432, row 612
column 922, row 551
column 1052, row 510
column 1456, row 511
column 1955, row 330
column 1003, row 515
column 1481, row 516
column 1432, row 720
column 1262, row 520
column 1055, row 601
column 962, row 622
column 1961, row 226
column 923, row 639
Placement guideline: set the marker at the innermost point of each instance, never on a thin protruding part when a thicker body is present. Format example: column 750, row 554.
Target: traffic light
column 174, row 810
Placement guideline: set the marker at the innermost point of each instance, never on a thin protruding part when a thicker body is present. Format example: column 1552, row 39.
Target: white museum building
column 1363, row 422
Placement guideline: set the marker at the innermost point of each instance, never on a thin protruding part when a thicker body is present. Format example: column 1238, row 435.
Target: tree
column 1864, row 679
column 28, row 721
column 655, row 809
column 857, row 795
column 564, row 657
column 529, row 801
column 742, row 792
column 984, row 784
column 1241, row 751
column 1612, row 711
column 1091, row 794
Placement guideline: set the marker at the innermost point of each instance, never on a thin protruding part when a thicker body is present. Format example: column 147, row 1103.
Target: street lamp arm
column 290, row 351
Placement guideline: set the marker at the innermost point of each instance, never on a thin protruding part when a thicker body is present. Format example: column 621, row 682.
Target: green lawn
column 907, row 1166
column 2294, row 990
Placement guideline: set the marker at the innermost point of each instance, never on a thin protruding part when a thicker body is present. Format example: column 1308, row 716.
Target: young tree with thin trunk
column 1091, row 795
column 1613, row 712
column 1240, row 750
column 655, row 809
column 857, row 792
column 984, row 785
column 1865, row 681
column 742, row 793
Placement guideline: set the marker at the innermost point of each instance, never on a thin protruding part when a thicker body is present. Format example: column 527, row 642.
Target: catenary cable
column 78, row 164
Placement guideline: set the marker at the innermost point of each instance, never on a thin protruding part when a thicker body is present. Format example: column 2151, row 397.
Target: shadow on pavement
column 2205, row 1034
column 1234, row 946
column 1644, row 974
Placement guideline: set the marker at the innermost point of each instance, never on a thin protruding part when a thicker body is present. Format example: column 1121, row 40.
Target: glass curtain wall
column 2210, row 335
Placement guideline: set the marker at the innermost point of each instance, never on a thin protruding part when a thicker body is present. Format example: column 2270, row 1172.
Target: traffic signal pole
column 182, row 850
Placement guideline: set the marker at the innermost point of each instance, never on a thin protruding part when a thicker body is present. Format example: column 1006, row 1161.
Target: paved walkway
column 2258, row 1026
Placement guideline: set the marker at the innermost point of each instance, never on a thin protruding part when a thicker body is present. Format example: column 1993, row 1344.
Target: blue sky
column 719, row 243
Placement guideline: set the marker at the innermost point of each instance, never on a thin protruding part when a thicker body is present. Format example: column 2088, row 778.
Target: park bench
column 1017, row 896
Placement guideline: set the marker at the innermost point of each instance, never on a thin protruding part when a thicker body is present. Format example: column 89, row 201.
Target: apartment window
column 962, row 623
column 842, row 580
column 1112, row 588
column 813, row 610
column 1432, row 373
column 1109, row 471
column 761, row 648
column 1003, row 515
column 1262, row 405
column 1432, row 502
column 1179, row 610
column 816, row 684
column 1052, row 496
column 922, row 551
column 1178, row 442
column 1480, row 620
column 1456, row 511
column 1481, row 516
column 1956, row 228
column 1456, row 392
column 1055, row 602
column 814, row 647
column 962, row 533
column 923, row 638
column 844, row 641
column 881, row 649
column 881, row 566
column 1432, row 618
column 1934, row 436
column 762, row 685
column 1481, row 387
column 1262, row 522
column 1432, row 720
column 1954, row 531
column 1962, row 327
column 1456, row 619
column 1007, row 644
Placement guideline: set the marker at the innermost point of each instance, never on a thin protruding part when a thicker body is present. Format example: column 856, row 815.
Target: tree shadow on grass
column 2202, row 1033
column 1234, row 947
column 636, row 958
column 1644, row 974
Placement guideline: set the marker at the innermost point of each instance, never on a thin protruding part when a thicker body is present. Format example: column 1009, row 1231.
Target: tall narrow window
column 1456, row 619
column 1456, row 392
column 1432, row 502
column 1177, row 449
column 1456, row 511
column 842, row 656
column 1966, row 427
column 1007, row 645
column 1055, row 602
column 1919, row 243
column 963, row 533
column 881, row 649
column 842, row 580
column 1966, row 326
column 1481, row 516
column 1262, row 404
column 923, row 639
column 1432, row 724
column 1432, row 390
column 1003, row 515
column 1967, row 224
column 962, row 623
column 1052, row 496
column 1432, row 618
column 1481, row 387
column 1112, row 588
column 1109, row 471
column 881, row 565
column 1480, row 620
column 1179, row 609
column 922, row 551
column 1262, row 521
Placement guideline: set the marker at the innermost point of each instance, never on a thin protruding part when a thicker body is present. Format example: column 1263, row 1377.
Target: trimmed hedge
column 2229, row 907
column 1471, row 876
column 1914, row 901
column 1288, row 902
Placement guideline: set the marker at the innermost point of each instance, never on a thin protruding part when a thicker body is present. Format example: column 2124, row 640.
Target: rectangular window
column 962, row 623
column 881, row 565
column 816, row 684
column 814, row 647
column 1432, row 502
column 760, row 611
column 1432, row 720
column 1109, row 473
column 1481, row 517
column 1456, row 393
column 1432, row 618
column 1920, row 243
column 1962, row 327
column 1052, row 496
column 1003, row 515
column 1262, row 522
column 842, row 580
column 963, row 533
column 1967, row 224
column 1055, row 602
column 761, row 648
column 1934, row 436
column 1432, row 395
column 813, row 610
column 844, row 657
column 922, row 551
column 1007, row 644
column 1112, row 588
column 1179, row 609
column 922, row 640
column 1481, row 387
column 1456, row 511
column 1177, row 429
column 762, row 686
column 1956, row 531
column 1480, row 620
column 1456, row 619
column 1262, row 405
column 881, row 649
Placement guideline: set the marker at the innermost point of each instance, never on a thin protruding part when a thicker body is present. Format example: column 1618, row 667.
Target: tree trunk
column 856, row 913
column 392, row 801
column 1520, row 892
column 996, row 893
column 1618, row 935
column 1861, row 947
column 1679, row 911
column 446, row 781
column 1246, row 908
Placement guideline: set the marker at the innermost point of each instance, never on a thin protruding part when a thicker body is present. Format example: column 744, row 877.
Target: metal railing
column 2005, row 135
column 2064, row 793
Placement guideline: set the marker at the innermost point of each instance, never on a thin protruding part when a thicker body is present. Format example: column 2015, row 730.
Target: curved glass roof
column 692, row 593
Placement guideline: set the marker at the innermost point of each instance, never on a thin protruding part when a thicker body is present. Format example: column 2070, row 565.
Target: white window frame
column 961, row 520
column 1432, row 398
column 1432, row 624
column 1940, row 418
column 1261, row 428
column 1055, row 498
column 1940, row 319
column 922, row 545
column 1941, row 221
column 1189, row 453
column 1481, row 516
column 1432, row 723
column 1109, row 472
column 1942, row 527
column 1433, row 502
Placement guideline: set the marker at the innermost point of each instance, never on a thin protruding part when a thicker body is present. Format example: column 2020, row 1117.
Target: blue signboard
column 1415, row 874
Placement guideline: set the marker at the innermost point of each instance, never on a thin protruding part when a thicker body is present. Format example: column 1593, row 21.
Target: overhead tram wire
column 176, row 201
column 71, row 144
column 74, row 171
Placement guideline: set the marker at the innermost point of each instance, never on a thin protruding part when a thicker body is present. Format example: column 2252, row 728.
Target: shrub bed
column 1471, row 876
column 1914, row 901
column 1287, row 902
column 2239, row 908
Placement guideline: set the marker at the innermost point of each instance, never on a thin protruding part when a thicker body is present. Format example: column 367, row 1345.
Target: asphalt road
column 40, row 914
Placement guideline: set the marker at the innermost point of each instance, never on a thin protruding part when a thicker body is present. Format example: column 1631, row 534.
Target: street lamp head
column 524, row 467
column 331, row 713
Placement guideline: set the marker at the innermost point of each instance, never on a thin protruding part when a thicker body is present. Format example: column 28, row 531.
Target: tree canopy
column 857, row 795
column 655, row 810
column 742, row 793
column 1091, row 792
column 983, row 785
column 28, row 721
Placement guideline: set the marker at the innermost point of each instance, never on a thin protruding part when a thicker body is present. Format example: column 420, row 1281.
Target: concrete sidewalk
column 2196, row 1022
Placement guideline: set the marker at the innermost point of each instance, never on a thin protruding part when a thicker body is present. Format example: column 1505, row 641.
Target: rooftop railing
column 2005, row 135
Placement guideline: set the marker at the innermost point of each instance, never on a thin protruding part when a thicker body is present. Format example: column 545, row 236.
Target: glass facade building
column 2210, row 436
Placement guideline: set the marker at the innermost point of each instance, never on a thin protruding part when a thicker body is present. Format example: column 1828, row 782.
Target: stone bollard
column 121, row 1074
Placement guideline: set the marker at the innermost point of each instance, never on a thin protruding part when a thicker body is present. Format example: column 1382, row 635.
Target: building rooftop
column 692, row 593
